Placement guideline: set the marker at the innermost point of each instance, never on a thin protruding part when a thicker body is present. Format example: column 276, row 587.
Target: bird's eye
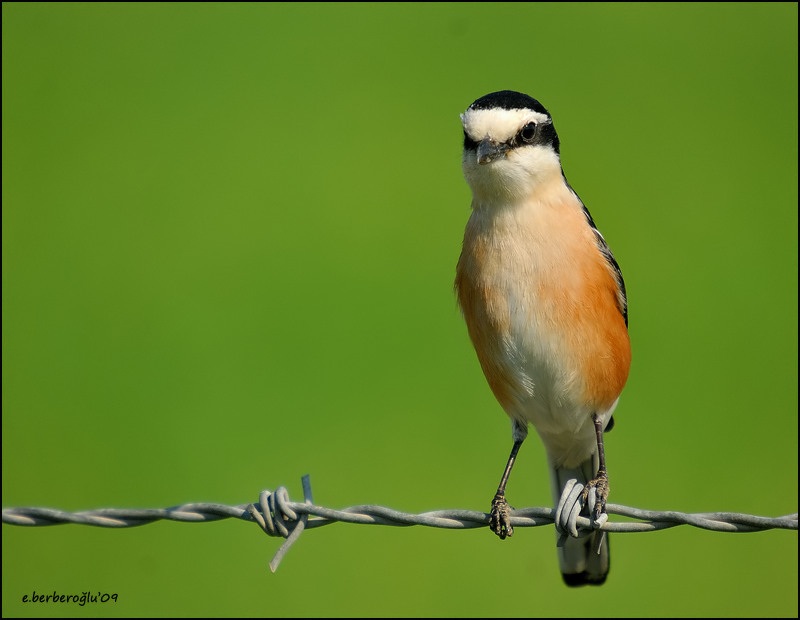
column 528, row 132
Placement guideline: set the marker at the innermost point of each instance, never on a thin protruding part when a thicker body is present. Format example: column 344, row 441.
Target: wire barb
column 277, row 515
column 278, row 519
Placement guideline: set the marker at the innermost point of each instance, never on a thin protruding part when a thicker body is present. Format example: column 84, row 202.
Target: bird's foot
column 500, row 517
column 594, row 497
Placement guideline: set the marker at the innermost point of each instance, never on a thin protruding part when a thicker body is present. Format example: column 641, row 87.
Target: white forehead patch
column 497, row 124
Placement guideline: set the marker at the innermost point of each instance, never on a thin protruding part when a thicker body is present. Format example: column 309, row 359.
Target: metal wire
column 277, row 515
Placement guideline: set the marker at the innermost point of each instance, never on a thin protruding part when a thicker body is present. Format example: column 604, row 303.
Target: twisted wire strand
column 277, row 515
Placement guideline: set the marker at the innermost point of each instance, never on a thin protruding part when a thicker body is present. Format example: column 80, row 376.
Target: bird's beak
column 488, row 151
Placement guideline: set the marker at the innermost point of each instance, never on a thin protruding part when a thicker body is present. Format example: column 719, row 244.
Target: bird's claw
column 500, row 517
column 594, row 497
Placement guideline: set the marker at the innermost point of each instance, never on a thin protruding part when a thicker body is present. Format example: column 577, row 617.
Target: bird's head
column 510, row 145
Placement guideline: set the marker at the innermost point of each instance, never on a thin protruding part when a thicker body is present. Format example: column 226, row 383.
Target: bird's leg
column 600, row 482
column 500, row 515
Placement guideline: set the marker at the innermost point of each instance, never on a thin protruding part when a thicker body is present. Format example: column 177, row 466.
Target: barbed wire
column 277, row 515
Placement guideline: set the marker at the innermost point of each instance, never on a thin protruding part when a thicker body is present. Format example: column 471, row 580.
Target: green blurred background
column 229, row 240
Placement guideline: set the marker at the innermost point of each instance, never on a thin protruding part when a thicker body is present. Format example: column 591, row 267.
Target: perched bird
column 545, row 306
